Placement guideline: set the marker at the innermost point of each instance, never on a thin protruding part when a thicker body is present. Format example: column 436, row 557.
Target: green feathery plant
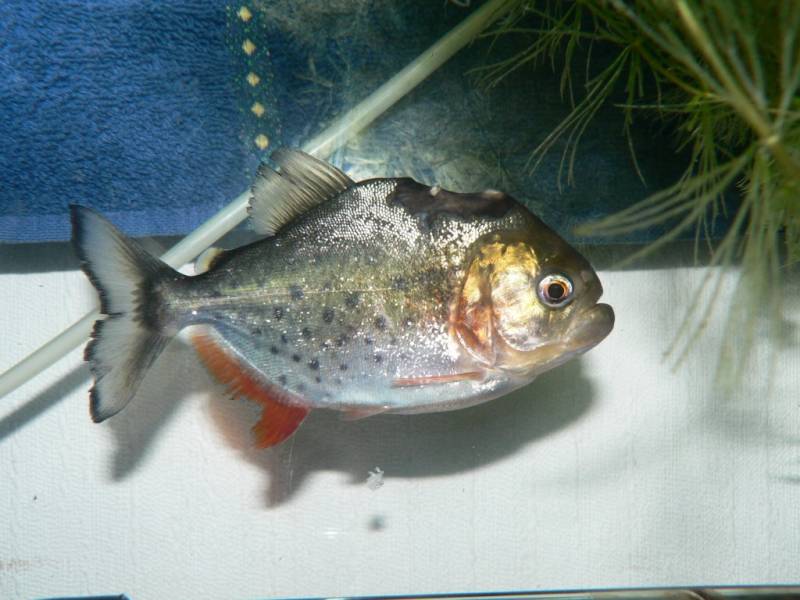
column 726, row 73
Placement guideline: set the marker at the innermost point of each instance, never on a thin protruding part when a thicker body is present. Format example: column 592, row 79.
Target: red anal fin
column 283, row 411
column 432, row 379
column 277, row 423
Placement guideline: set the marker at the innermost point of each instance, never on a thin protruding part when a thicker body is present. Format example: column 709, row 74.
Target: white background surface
column 610, row 471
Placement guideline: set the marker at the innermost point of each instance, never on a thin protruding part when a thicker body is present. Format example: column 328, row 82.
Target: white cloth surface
column 612, row 470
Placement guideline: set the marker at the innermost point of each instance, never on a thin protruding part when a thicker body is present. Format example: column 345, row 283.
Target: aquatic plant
column 725, row 75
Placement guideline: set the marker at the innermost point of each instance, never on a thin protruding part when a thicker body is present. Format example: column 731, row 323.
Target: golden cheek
column 498, row 297
column 517, row 311
column 514, row 297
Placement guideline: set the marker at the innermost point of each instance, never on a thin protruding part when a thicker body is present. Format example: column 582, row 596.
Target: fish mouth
column 590, row 328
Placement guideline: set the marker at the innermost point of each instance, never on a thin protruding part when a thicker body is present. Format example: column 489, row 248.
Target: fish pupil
column 556, row 291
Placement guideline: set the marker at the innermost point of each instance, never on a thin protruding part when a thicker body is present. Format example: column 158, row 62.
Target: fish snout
column 592, row 326
column 594, row 289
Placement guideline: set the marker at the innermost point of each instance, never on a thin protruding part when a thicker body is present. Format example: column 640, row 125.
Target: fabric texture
column 158, row 113
column 124, row 106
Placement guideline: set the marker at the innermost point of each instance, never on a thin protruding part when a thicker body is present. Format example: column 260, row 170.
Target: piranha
column 382, row 296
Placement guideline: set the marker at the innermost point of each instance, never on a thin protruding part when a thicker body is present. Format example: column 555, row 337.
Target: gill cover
column 497, row 308
column 500, row 317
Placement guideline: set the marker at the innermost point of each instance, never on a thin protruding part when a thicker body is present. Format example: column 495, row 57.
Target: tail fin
column 130, row 338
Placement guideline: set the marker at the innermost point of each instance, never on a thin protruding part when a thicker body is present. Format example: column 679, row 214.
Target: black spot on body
column 306, row 333
column 328, row 314
column 282, row 379
column 399, row 283
column 257, row 331
column 318, row 379
column 343, row 367
column 380, row 323
column 313, row 364
column 284, row 339
column 352, row 299
column 273, row 349
column 378, row 358
column 277, row 312
column 296, row 292
column 296, row 357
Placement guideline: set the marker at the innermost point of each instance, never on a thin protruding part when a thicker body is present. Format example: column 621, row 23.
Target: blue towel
column 143, row 110
column 128, row 107
column 158, row 113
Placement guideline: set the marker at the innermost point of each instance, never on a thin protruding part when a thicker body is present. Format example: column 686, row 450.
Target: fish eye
column 555, row 290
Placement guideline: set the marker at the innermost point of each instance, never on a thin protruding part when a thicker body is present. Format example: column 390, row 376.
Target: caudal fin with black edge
column 130, row 338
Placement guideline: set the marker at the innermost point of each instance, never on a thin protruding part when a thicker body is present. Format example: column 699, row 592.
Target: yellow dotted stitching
column 245, row 14
column 258, row 109
column 261, row 140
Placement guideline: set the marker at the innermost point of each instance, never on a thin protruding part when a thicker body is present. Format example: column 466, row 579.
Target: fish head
column 529, row 302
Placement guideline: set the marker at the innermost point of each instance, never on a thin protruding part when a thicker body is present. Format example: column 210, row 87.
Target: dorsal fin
column 301, row 183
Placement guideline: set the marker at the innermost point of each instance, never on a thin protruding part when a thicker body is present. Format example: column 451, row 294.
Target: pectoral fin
column 437, row 379
column 283, row 412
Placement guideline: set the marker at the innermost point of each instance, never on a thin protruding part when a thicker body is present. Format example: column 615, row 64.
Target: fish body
column 379, row 296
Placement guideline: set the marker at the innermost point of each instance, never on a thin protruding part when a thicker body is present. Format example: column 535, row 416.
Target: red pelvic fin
column 283, row 411
column 434, row 379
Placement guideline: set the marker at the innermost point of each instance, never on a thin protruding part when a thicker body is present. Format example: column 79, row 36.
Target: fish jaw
column 591, row 327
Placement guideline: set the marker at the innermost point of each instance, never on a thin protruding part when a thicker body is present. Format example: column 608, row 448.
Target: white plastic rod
column 322, row 146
